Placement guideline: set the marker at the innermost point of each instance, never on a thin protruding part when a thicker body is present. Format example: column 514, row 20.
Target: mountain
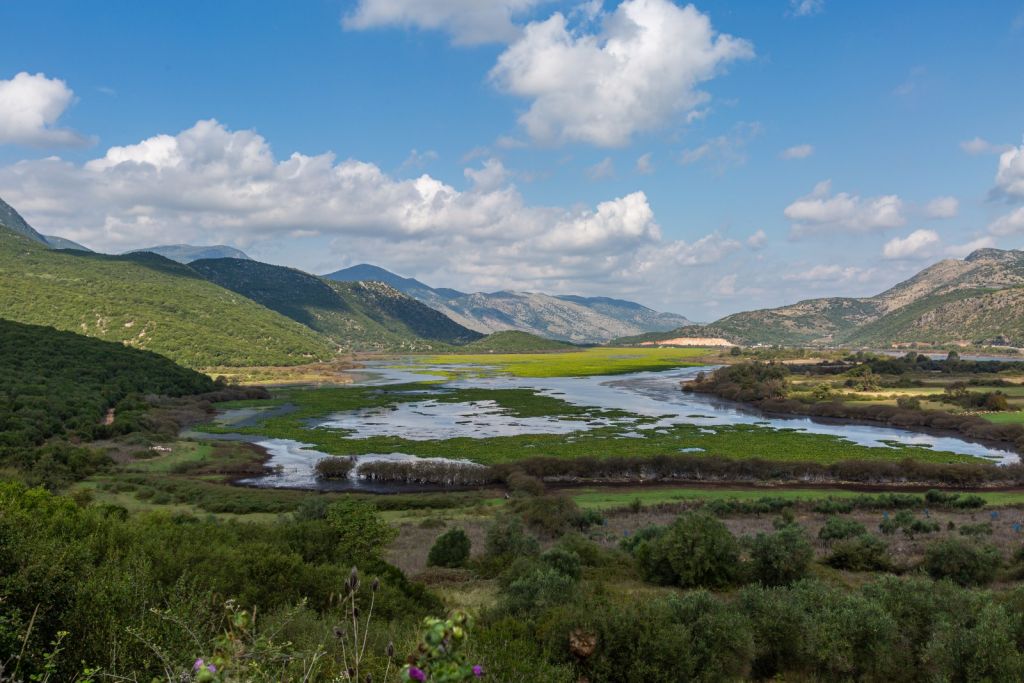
column 514, row 341
column 148, row 302
column 975, row 300
column 12, row 220
column 356, row 315
column 566, row 318
column 56, row 242
column 187, row 253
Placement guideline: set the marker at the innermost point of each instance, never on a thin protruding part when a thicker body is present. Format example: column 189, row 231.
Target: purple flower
column 198, row 665
column 478, row 671
column 211, row 668
column 417, row 674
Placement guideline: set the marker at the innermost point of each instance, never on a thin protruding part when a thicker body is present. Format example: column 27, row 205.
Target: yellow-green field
column 596, row 361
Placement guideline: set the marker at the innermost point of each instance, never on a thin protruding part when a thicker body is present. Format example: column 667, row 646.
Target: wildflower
column 478, row 671
column 198, row 665
column 417, row 674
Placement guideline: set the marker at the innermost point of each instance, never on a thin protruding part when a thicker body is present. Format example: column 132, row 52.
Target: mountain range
column 187, row 253
column 978, row 300
column 577, row 319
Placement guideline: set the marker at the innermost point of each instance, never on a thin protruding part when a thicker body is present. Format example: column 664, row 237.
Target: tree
column 781, row 558
column 360, row 531
column 697, row 550
column 451, row 549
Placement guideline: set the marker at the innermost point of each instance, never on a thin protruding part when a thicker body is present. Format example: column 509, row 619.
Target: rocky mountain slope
column 566, row 318
column 974, row 300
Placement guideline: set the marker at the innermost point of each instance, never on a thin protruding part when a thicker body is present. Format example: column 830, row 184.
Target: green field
column 596, row 361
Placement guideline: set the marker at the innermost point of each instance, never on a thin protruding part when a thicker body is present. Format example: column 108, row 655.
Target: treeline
column 60, row 390
column 765, row 386
column 910, row 362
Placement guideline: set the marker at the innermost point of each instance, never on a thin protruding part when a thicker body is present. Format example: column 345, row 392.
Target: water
column 653, row 395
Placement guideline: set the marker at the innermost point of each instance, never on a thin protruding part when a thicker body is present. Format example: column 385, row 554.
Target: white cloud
column 1010, row 224
column 602, row 169
column 961, row 250
column 644, row 164
column 723, row 151
column 805, row 8
column 469, row 22
column 832, row 274
column 641, row 72
column 757, row 240
column 1010, row 176
column 916, row 245
column 30, row 106
column 797, row 152
column 822, row 210
column 211, row 184
column 942, row 207
column 976, row 146
column 492, row 176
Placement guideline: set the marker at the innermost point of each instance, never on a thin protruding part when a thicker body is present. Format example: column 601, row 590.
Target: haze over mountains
column 576, row 319
column 978, row 300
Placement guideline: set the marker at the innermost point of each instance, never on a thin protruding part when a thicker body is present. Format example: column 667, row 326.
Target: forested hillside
column 355, row 315
column 148, row 302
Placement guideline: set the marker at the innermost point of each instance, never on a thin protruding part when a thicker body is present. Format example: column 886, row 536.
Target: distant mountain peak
column 990, row 254
column 187, row 253
column 12, row 220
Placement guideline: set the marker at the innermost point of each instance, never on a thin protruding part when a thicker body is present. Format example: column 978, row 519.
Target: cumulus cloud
column 1010, row 224
column 797, row 152
column 961, row 250
column 821, row 210
column 30, row 105
column 805, row 8
column 640, row 72
column 211, row 184
column 942, row 207
column 916, row 245
column 1010, row 175
column 469, row 22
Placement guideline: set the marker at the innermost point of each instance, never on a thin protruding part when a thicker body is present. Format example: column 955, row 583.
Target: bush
column 968, row 564
column 541, row 588
column 697, row 550
column 565, row 562
column 837, row 528
column 781, row 558
column 506, row 538
column 860, row 553
column 551, row 516
column 451, row 549
column 334, row 467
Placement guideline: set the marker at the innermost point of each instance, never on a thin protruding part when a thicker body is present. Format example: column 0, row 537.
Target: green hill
column 356, row 315
column 148, row 302
column 513, row 341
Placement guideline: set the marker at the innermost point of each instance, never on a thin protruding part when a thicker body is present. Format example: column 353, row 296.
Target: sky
column 702, row 159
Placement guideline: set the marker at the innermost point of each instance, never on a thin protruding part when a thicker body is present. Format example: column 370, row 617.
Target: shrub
column 552, row 516
column 968, row 564
column 523, row 484
column 860, row 553
column 506, row 537
column 837, row 528
column 451, row 549
column 781, row 558
column 565, row 562
column 541, row 588
column 360, row 530
column 697, row 550
column 334, row 467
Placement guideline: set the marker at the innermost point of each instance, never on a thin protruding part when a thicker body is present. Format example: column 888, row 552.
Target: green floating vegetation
column 584, row 362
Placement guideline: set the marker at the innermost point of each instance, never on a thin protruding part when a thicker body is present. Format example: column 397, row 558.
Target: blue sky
column 634, row 149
